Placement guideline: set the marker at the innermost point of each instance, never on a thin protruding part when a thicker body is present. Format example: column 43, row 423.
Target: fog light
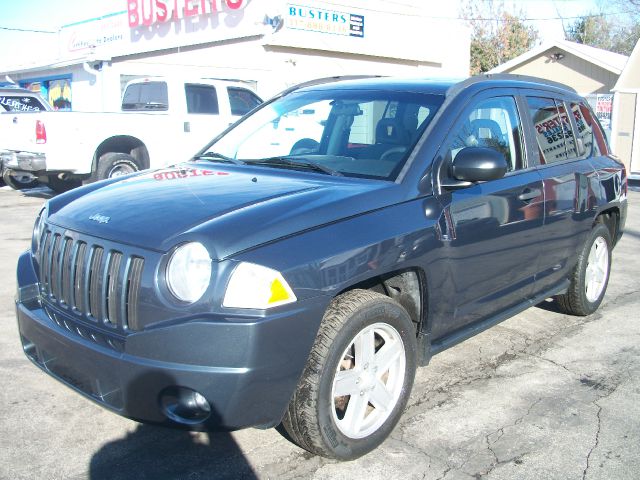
column 185, row 406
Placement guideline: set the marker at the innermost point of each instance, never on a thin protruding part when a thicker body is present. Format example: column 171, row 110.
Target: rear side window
column 553, row 127
column 146, row 96
column 202, row 99
column 242, row 101
column 20, row 103
column 589, row 131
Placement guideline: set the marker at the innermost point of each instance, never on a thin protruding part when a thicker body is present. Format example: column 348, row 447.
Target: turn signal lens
column 255, row 286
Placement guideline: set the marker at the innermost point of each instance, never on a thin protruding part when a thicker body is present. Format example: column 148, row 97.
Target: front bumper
column 23, row 161
column 246, row 369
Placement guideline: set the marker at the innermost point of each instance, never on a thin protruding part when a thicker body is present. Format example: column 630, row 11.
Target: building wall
column 585, row 77
column 271, row 44
column 623, row 137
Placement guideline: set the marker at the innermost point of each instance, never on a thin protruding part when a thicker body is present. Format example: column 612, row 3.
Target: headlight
column 38, row 229
column 189, row 272
column 255, row 286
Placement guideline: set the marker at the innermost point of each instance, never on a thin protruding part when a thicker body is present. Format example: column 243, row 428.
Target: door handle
column 529, row 194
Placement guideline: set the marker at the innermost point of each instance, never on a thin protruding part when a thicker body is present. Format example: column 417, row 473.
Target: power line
column 493, row 19
column 526, row 19
column 12, row 29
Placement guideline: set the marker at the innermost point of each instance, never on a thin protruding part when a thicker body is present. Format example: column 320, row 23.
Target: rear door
column 569, row 179
column 491, row 229
column 206, row 115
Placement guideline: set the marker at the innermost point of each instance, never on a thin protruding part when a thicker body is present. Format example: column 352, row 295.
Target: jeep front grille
column 90, row 280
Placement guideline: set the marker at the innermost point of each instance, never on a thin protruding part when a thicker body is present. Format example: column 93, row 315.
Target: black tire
column 313, row 417
column 15, row 181
column 61, row 186
column 115, row 164
column 583, row 298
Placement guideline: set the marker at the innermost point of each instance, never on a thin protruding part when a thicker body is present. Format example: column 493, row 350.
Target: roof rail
column 322, row 81
column 508, row 77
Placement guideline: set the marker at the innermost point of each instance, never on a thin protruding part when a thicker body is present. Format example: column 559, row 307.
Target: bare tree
column 497, row 35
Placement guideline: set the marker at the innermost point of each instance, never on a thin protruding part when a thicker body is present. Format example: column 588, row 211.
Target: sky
column 24, row 23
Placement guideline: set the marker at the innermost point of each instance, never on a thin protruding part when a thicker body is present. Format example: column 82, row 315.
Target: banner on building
column 604, row 105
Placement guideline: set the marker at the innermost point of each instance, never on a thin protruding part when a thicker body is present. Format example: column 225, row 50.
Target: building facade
column 270, row 44
column 626, row 114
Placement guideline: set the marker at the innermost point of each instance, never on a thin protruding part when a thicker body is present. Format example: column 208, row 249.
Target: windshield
column 355, row 133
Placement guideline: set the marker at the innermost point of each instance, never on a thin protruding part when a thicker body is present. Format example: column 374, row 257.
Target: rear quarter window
column 20, row 103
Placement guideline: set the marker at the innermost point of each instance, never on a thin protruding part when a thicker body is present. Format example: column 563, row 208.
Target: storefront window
column 56, row 90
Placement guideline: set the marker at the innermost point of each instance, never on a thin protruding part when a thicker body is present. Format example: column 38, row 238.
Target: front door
column 490, row 244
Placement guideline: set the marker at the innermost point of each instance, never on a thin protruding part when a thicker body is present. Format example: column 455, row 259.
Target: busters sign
column 300, row 17
column 150, row 12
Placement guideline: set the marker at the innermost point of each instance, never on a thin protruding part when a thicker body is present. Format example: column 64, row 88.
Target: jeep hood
column 228, row 208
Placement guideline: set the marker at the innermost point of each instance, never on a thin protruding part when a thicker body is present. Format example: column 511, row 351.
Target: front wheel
column 358, row 377
column 591, row 275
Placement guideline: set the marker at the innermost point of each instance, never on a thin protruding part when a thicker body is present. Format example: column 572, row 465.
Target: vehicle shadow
column 157, row 453
column 38, row 192
column 153, row 452
column 550, row 305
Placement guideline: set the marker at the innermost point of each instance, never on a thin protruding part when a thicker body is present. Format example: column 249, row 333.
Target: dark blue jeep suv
column 303, row 264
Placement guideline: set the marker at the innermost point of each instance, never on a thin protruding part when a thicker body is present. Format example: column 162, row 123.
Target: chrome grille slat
column 93, row 282
column 54, row 267
column 134, row 279
column 78, row 277
column 44, row 263
column 67, row 252
column 113, row 300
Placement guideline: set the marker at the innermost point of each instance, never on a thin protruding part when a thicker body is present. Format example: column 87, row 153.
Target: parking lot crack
column 609, row 391
column 553, row 362
column 490, row 441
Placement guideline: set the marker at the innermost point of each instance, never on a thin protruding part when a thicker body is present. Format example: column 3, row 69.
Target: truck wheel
column 60, row 186
column 116, row 165
column 18, row 180
column 591, row 275
column 357, row 379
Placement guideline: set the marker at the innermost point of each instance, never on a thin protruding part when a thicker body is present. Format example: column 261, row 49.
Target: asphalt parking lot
column 542, row 395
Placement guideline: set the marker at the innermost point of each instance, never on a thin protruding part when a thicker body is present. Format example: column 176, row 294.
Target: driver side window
column 492, row 123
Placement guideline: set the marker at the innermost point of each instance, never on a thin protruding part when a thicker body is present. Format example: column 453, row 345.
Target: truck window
column 201, row 99
column 146, row 96
column 242, row 101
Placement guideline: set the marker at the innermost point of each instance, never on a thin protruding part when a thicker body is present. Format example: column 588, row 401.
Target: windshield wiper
column 218, row 157
column 296, row 162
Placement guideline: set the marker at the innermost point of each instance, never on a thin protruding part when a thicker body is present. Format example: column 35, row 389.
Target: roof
column 417, row 85
column 435, row 86
column 629, row 80
column 611, row 61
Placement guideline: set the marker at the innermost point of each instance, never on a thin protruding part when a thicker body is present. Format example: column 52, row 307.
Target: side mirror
column 479, row 164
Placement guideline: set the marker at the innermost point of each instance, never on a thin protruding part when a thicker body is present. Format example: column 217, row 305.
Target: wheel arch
column 123, row 144
column 610, row 218
column 409, row 288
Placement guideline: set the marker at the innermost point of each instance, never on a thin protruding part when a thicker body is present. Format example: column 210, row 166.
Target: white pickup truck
column 162, row 121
